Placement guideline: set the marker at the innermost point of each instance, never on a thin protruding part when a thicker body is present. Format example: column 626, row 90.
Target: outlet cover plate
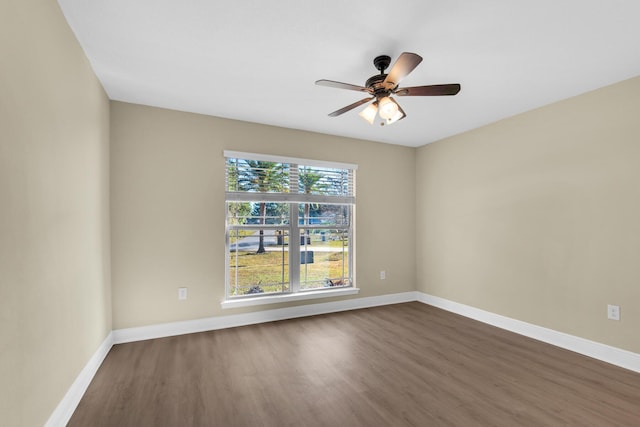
column 613, row 312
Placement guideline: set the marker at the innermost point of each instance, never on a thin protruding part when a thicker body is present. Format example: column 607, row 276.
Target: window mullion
column 294, row 236
column 294, row 249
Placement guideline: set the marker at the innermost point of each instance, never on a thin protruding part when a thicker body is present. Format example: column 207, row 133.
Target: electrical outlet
column 383, row 274
column 182, row 293
column 613, row 312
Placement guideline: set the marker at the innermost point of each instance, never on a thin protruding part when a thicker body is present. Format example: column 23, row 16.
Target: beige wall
column 54, row 228
column 167, row 209
column 537, row 217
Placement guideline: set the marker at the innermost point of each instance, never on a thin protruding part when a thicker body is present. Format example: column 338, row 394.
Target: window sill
column 275, row 299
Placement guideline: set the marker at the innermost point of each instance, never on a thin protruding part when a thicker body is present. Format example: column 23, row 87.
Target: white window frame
column 293, row 197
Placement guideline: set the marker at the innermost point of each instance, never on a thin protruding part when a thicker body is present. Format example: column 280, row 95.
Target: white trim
column 283, row 159
column 603, row 352
column 63, row 412
column 221, row 322
column 297, row 296
column 256, row 196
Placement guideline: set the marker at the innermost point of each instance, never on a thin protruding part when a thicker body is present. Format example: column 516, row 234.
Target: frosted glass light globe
column 387, row 108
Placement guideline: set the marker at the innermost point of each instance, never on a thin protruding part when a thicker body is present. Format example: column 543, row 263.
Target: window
column 289, row 225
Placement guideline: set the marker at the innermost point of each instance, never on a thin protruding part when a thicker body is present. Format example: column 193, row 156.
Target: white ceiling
column 258, row 60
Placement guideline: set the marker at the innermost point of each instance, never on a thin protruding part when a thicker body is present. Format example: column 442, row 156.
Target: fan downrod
column 375, row 82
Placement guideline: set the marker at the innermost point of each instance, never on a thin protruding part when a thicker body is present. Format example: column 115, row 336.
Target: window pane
column 324, row 258
column 258, row 261
column 257, row 176
column 256, row 213
column 315, row 214
column 325, row 181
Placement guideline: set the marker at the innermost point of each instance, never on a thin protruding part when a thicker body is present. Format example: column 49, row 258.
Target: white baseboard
column 67, row 406
column 606, row 353
column 63, row 412
column 220, row 322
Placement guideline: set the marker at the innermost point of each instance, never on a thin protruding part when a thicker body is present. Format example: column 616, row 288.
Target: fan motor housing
column 375, row 83
column 373, row 80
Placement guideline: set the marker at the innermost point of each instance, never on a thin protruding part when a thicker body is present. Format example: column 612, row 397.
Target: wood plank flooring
column 399, row 365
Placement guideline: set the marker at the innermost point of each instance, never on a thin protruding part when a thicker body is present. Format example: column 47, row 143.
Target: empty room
column 354, row 213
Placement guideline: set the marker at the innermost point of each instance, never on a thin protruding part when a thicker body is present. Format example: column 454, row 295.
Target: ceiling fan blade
column 432, row 90
column 350, row 107
column 340, row 85
column 403, row 66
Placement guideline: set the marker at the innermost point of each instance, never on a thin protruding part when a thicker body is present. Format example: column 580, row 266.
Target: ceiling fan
column 381, row 86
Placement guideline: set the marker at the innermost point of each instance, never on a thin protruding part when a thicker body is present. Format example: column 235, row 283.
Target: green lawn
column 270, row 270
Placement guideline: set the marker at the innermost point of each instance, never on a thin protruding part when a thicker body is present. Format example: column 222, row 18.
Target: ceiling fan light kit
column 381, row 86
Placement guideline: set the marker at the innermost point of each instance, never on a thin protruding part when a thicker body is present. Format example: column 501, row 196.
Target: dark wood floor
column 400, row 365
